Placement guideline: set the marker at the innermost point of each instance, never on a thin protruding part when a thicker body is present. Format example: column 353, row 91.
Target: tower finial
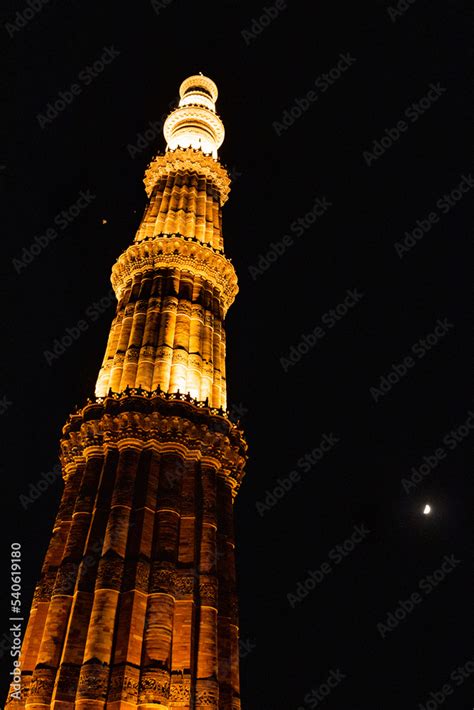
column 195, row 124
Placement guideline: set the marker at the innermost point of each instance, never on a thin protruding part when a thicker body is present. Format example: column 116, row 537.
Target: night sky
column 347, row 344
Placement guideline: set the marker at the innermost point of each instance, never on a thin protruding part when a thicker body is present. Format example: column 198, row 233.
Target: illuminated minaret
column 136, row 605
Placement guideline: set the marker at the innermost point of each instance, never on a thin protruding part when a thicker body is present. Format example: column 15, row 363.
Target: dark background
column 287, row 651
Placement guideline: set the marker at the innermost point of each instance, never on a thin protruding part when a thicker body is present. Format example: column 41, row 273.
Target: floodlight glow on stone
column 155, row 450
column 195, row 124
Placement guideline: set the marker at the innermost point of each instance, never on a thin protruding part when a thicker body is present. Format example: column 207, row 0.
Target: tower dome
column 195, row 124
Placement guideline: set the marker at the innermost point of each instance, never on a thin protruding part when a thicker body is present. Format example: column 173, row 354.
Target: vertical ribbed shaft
column 172, row 340
column 136, row 605
column 168, row 332
column 183, row 203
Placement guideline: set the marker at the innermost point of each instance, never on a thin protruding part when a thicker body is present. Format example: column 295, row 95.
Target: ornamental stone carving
column 208, row 592
column 179, row 692
column 116, row 421
column 164, row 253
column 44, row 588
column 93, row 681
column 162, row 580
column 123, row 685
column 154, row 686
column 184, row 586
column 68, row 678
column 42, row 684
column 110, row 572
column 192, row 161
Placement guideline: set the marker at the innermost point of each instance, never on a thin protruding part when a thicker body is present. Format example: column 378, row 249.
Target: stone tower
column 136, row 605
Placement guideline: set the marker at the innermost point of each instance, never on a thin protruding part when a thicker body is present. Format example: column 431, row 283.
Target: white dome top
column 195, row 124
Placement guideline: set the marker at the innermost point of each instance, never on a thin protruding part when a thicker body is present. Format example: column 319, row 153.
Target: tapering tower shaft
column 174, row 284
column 136, row 606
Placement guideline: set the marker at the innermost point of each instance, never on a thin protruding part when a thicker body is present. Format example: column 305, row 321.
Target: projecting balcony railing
column 169, row 396
column 173, row 235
